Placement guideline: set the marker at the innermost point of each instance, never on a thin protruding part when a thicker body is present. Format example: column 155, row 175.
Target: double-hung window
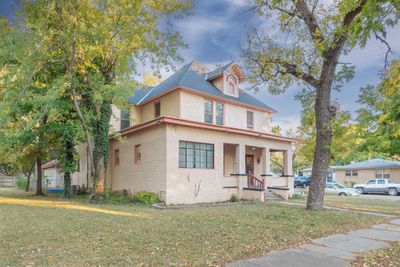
column 196, row 155
column 250, row 120
column 351, row 172
column 219, row 117
column 157, row 110
column 124, row 119
column 208, row 111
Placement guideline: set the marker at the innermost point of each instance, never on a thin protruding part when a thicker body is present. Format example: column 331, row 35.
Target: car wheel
column 342, row 194
column 392, row 192
column 361, row 190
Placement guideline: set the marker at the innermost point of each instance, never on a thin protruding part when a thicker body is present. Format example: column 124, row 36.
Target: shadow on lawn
column 66, row 205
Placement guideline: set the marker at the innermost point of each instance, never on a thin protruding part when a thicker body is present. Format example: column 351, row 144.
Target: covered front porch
column 248, row 168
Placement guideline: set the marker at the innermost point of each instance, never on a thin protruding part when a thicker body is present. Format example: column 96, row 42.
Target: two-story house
column 197, row 137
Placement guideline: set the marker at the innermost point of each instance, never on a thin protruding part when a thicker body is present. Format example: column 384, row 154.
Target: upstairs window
column 231, row 82
column 157, row 109
column 124, row 119
column 116, row 157
column 219, row 118
column 250, row 120
column 138, row 154
column 208, row 111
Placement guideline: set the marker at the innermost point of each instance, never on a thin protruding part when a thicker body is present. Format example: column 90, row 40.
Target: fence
column 8, row 181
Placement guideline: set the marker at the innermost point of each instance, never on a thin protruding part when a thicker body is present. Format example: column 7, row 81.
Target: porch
column 248, row 168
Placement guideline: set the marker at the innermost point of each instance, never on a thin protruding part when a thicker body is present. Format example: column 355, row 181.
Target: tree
column 312, row 37
column 379, row 119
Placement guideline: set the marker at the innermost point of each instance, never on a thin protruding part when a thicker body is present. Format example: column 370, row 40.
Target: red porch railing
column 254, row 183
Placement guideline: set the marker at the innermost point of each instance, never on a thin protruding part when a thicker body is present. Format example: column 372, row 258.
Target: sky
column 215, row 33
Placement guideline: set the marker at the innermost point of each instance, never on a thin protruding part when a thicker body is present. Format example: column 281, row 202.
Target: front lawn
column 387, row 257
column 389, row 205
column 50, row 232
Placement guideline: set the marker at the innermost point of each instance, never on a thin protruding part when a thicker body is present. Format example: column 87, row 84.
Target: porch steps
column 268, row 195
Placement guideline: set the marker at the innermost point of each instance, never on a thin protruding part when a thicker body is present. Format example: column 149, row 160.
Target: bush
column 147, row 198
column 233, row 198
column 21, row 183
column 118, row 198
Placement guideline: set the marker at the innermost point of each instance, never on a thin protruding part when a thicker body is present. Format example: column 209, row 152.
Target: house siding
column 364, row 176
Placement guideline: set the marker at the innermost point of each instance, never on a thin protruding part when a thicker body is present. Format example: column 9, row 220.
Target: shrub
column 118, row 198
column 147, row 198
column 234, row 198
column 21, row 183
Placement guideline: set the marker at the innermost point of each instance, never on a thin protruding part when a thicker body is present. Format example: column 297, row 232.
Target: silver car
column 340, row 190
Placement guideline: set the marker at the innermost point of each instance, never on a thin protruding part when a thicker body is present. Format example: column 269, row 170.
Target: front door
column 249, row 164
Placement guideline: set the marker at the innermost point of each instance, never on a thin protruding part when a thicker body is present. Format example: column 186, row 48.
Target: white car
column 379, row 186
column 340, row 190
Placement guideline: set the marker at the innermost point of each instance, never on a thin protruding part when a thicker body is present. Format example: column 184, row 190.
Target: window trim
column 223, row 113
column 155, row 109
column 212, row 110
column 136, row 154
column 116, row 157
column 250, row 126
column 196, row 142
column 128, row 120
column 353, row 173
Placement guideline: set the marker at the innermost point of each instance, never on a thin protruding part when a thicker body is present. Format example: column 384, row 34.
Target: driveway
column 300, row 190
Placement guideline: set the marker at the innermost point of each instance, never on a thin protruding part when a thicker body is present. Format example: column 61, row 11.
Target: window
column 380, row 174
column 116, row 157
column 208, row 111
column 138, row 153
column 381, row 181
column 157, row 109
column 196, row 155
column 219, row 118
column 250, row 119
column 371, row 182
column 231, row 80
column 124, row 119
column 351, row 172
column 78, row 165
column 329, row 186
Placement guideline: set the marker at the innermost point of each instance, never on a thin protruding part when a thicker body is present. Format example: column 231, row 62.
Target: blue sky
column 216, row 32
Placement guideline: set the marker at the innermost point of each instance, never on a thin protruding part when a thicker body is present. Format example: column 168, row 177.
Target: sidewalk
column 336, row 250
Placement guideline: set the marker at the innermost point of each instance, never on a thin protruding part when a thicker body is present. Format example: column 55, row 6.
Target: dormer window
column 231, row 84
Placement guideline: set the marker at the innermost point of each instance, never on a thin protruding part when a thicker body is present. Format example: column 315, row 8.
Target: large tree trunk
column 39, row 191
column 69, row 163
column 322, row 150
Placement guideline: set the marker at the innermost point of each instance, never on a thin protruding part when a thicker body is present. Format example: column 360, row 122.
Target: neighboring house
column 361, row 172
column 53, row 175
column 194, row 138
column 330, row 175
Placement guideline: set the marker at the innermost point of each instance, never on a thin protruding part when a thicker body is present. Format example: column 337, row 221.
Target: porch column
column 241, row 167
column 266, row 164
column 288, row 169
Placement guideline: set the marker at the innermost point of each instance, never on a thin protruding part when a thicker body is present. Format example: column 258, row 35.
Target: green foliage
column 21, row 183
column 119, row 198
column 147, row 198
column 234, row 198
column 297, row 196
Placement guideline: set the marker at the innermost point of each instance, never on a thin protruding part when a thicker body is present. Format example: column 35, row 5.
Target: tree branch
column 388, row 51
column 310, row 20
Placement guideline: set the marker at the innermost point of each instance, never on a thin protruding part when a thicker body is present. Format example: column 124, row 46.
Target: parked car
column 302, row 181
column 340, row 190
column 379, row 186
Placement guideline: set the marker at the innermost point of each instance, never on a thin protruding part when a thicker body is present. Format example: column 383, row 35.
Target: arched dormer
column 227, row 78
column 231, row 85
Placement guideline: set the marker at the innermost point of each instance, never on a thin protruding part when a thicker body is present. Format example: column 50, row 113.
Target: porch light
column 253, row 148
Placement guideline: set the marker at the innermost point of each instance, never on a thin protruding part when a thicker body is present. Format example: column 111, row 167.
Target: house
column 197, row 137
column 361, row 172
column 53, row 176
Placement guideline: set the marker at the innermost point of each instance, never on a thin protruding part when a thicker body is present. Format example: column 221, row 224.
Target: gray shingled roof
column 370, row 164
column 189, row 78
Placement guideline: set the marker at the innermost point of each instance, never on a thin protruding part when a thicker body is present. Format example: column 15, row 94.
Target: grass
column 387, row 257
column 362, row 203
column 47, row 231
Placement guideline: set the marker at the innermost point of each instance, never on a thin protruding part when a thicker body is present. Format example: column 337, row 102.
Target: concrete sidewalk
column 335, row 250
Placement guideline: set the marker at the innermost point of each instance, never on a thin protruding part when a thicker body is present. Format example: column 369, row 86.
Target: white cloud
column 289, row 122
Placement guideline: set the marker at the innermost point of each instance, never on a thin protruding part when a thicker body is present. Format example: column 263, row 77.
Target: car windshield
column 390, row 181
column 340, row 186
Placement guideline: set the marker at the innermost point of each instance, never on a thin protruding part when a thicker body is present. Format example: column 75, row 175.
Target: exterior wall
column 115, row 121
column 53, row 177
column 186, row 185
column 148, row 175
column 170, row 106
column 364, row 176
column 81, row 177
column 192, row 108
